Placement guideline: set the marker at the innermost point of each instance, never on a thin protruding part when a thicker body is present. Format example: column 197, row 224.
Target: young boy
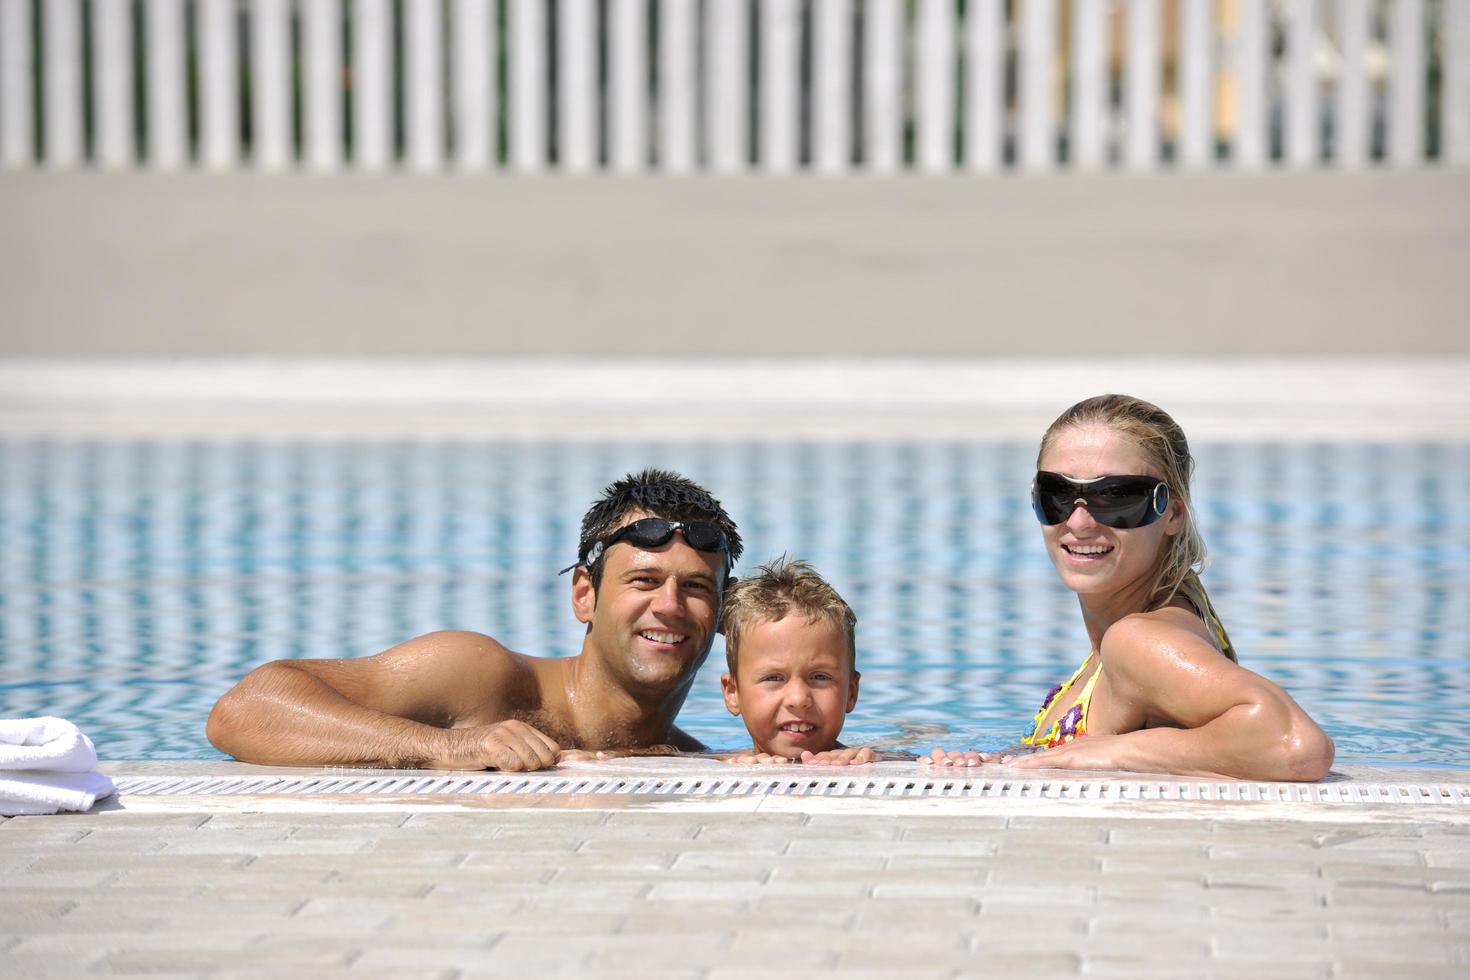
column 792, row 658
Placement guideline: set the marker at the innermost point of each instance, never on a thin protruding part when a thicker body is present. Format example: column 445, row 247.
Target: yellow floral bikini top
column 1073, row 722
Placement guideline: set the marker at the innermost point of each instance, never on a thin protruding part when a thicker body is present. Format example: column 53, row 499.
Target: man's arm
column 393, row 710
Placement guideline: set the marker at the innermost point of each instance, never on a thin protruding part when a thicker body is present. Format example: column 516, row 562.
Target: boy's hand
column 602, row 755
column 757, row 759
column 954, row 757
column 586, row 755
column 839, row 757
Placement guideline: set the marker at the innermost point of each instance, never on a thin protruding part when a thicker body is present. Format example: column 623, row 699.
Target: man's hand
column 510, row 746
column 839, row 757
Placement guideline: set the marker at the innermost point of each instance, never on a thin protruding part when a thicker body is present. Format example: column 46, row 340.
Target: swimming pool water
column 139, row 580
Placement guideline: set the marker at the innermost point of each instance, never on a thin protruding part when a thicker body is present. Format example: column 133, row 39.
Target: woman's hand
column 955, row 757
column 1092, row 752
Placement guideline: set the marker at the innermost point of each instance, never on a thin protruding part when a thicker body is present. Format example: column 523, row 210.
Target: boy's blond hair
column 779, row 588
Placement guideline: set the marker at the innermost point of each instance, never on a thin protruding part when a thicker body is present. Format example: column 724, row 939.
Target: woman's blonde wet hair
column 1163, row 444
column 781, row 588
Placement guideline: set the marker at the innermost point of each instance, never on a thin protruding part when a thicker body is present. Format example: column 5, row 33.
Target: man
column 652, row 565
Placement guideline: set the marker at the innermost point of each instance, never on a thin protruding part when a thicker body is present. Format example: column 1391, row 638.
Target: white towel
column 30, row 793
column 52, row 744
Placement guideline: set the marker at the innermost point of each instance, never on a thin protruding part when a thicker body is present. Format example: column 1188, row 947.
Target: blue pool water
column 138, row 581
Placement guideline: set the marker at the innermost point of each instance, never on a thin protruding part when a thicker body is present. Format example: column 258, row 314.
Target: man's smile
column 663, row 637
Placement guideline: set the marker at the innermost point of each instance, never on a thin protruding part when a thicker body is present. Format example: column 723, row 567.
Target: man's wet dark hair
column 656, row 493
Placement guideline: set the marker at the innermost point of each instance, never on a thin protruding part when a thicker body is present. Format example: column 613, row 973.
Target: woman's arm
column 1211, row 717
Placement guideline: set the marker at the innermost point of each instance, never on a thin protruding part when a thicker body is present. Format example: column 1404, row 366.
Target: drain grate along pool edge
column 1347, row 793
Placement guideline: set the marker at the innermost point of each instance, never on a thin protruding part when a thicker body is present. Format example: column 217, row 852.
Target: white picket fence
column 733, row 86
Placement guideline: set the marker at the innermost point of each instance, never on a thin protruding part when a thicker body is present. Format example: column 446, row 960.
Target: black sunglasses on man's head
column 650, row 532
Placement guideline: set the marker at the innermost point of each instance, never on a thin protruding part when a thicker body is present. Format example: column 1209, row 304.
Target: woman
column 1161, row 690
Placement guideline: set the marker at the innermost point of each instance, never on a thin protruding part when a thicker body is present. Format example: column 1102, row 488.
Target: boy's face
column 794, row 685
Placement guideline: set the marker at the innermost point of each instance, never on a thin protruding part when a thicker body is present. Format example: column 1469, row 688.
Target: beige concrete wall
column 94, row 265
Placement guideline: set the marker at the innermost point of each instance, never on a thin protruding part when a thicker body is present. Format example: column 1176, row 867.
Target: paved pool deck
column 597, row 885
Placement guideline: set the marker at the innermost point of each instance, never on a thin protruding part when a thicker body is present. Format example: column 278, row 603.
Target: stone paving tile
column 248, row 819
column 1410, row 947
column 1262, row 969
column 370, row 971
column 520, row 923
column 1420, row 874
column 393, row 841
column 64, row 882
column 733, row 834
column 172, row 960
column 963, row 847
column 574, row 896
column 1039, row 964
column 66, row 965
column 749, row 890
column 897, row 951
column 1449, row 887
column 956, row 914
column 634, row 953
column 1102, row 901
column 15, row 903
column 913, row 972
column 17, row 861
column 1377, row 967
column 544, row 901
column 572, row 877
column 391, row 960
column 788, row 909
column 128, row 863
column 1381, row 893
column 95, row 944
column 834, row 874
column 549, row 820
column 126, row 842
column 925, row 862
column 1050, row 926
column 393, row 861
column 1138, row 967
column 515, row 972
column 667, row 846
column 121, row 819
column 58, row 828
column 1085, row 829
column 950, row 828
column 1162, row 859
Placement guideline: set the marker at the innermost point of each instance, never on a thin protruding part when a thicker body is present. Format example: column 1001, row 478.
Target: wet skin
column 652, row 619
column 461, row 700
column 1109, row 568
column 1167, row 699
column 794, row 685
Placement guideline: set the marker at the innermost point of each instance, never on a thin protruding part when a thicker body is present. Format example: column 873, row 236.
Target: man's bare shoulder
column 466, row 657
column 458, row 648
column 445, row 678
